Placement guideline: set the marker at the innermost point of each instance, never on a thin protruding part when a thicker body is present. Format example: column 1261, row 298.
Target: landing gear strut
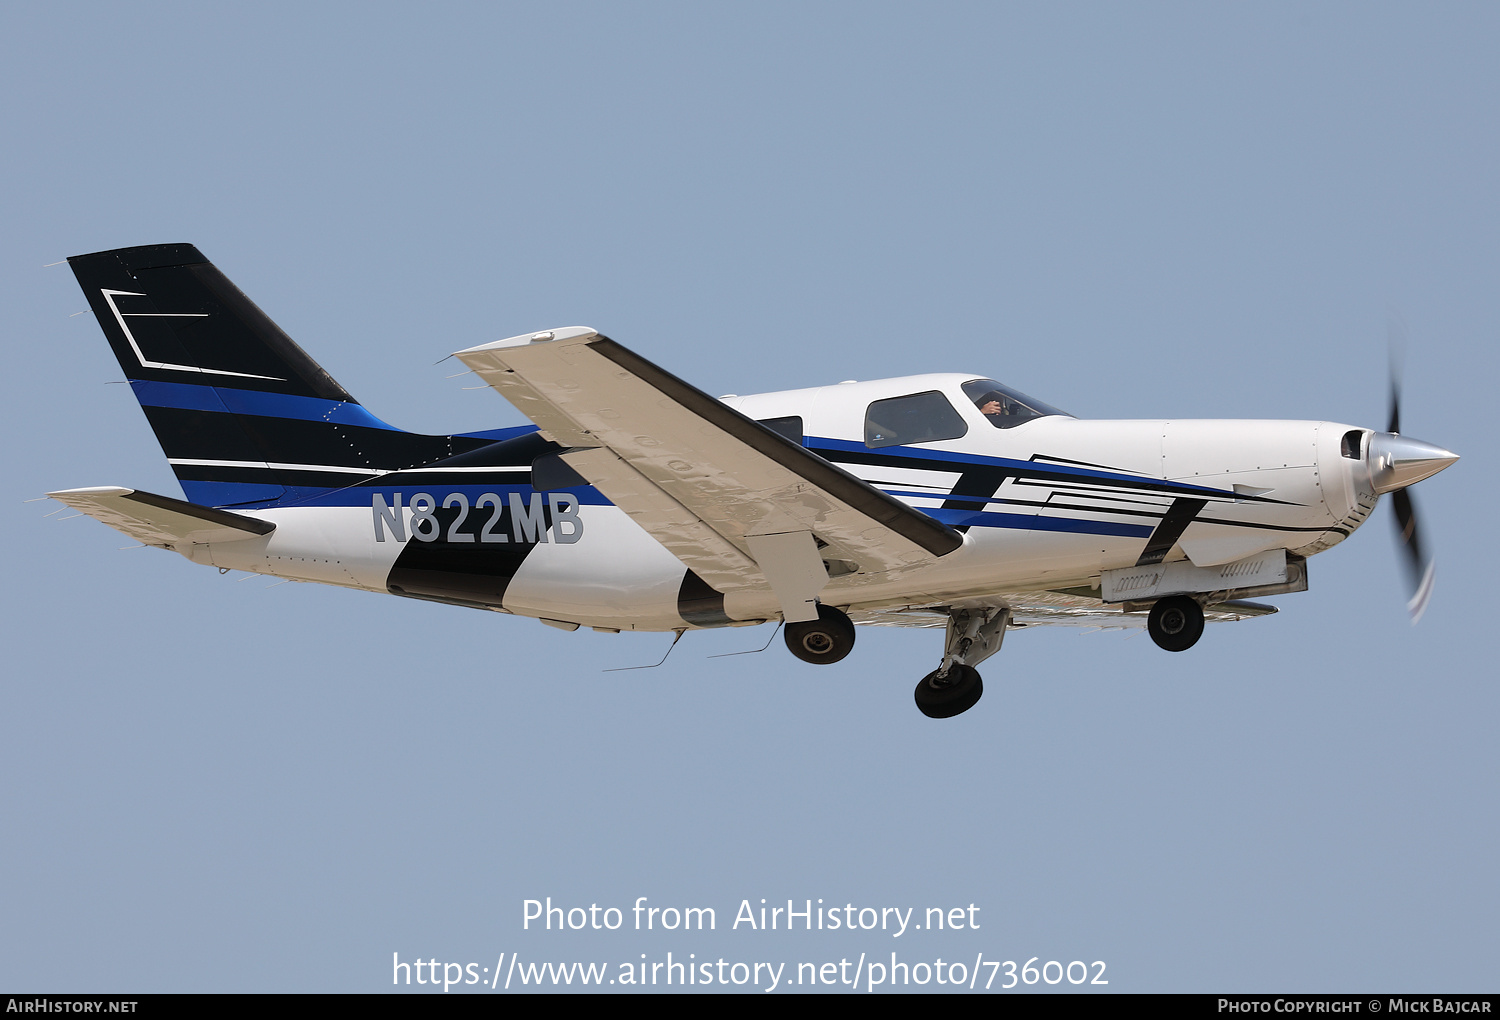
column 1175, row 623
column 954, row 687
column 827, row 639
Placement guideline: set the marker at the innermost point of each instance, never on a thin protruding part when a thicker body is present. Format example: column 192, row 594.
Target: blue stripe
column 231, row 494
column 242, row 493
column 191, row 397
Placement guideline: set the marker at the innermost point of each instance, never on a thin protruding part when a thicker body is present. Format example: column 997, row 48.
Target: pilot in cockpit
column 993, row 405
column 996, row 405
column 1005, row 408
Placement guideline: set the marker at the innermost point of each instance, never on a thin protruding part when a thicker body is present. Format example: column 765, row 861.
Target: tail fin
column 244, row 416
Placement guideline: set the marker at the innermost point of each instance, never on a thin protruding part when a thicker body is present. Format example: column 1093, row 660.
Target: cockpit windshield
column 1004, row 407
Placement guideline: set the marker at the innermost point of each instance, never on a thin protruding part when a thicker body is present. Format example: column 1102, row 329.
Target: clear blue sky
column 1139, row 210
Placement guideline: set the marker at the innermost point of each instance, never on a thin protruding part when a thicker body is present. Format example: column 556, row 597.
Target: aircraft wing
column 162, row 520
column 732, row 499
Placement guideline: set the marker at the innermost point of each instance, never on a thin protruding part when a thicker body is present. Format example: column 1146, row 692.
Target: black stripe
column 513, row 452
column 233, row 335
column 932, row 535
column 976, row 481
column 1077, row 463
column 465, row 573
column 268, row 476
column 1022, row 475
column 1173, row 523
column 215, row 435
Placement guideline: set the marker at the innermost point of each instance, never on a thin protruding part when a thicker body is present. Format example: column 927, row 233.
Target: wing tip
column 565, row 334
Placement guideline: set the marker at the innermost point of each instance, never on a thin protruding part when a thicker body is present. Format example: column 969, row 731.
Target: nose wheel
column 974, row 634
column 1175, row 623
column 942, row 694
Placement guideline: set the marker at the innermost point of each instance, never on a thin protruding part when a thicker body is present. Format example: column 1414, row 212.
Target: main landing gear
column 827, row 639
column 955, row 687
column 1175, row 623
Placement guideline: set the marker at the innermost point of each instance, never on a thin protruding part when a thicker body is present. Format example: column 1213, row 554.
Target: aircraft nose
column 1397, row 461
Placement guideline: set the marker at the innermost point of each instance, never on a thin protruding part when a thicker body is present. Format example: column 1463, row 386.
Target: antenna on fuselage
column 751, row 651
column 622, row 669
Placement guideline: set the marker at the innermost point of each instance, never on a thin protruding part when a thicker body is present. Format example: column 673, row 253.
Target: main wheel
column 942, row 697
column 827, row 639
column 1175, row 623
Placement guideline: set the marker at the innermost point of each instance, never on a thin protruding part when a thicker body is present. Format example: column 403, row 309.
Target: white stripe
column 109, row 299
column 513, row 469
column 268, row 465
column 279, row 467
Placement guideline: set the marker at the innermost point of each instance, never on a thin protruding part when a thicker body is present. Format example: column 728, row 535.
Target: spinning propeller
column 1396, row 462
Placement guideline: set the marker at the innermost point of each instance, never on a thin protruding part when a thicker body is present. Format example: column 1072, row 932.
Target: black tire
column 1176, row 623
column 827, row 639
column 943, row 697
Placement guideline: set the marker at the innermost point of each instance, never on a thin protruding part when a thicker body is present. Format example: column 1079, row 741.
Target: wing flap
column 162, row 520
column 683, row 533
column 727, row 473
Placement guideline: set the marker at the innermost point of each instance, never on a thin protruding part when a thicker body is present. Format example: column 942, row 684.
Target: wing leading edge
column 738, row 503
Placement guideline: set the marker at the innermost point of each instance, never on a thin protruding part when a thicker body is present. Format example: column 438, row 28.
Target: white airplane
column 638, row 502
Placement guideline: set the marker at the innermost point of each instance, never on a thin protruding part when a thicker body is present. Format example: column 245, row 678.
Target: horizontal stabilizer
column 162, row 520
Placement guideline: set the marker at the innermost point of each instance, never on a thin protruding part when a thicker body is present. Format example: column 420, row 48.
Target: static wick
column 622, row 669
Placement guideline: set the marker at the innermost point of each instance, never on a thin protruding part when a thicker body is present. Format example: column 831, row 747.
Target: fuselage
column 1045, row 503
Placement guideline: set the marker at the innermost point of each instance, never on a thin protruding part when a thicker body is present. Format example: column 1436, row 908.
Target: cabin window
column 915, row 418
column 1004, row 407
column 789, row 427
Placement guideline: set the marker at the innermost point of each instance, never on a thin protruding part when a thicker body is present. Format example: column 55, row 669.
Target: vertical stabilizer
column 245, row 417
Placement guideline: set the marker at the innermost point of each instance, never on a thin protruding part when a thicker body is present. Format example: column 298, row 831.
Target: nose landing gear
column 943, row 694
column 955, row 687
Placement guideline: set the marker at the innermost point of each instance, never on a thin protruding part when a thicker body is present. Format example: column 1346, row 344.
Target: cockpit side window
column 1004, row 407
column 915, row 418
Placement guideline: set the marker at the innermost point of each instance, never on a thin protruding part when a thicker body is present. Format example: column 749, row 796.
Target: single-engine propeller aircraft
column 638, row 502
